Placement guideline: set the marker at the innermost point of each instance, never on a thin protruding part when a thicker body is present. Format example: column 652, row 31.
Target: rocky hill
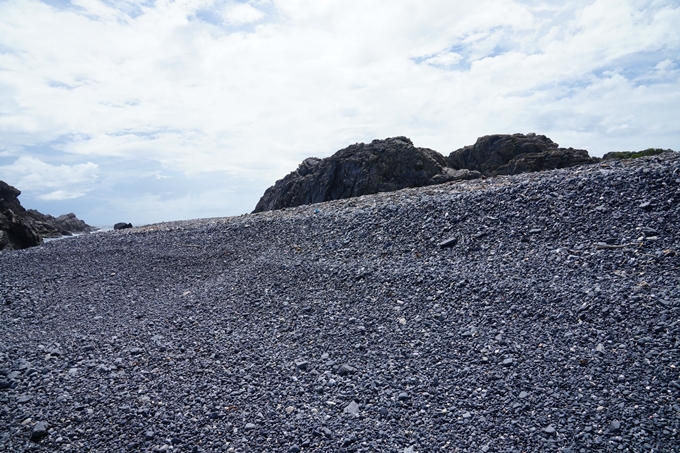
column 21, row 228
column 533, row 312
column 395, row 163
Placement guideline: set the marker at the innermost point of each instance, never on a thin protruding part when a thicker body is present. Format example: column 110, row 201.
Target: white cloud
column 49, row 182
column 241, row 13
column 269, row 83
column 59, row 195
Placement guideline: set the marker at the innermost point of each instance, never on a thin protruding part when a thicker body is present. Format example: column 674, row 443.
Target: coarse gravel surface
column 548, row 321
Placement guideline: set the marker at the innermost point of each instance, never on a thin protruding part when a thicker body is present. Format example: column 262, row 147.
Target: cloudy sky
column 145, row 111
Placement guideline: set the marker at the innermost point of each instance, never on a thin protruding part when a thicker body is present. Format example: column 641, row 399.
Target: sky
column 150, row 111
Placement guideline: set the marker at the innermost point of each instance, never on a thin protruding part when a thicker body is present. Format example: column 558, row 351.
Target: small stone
column 467, row 415
column 383, row 412
column 88, row 348
column 348, row 441
column 549, row 430
column 346, row 369
column 447, row 243
column 302, row 365
column 646, row 205
column 403, row 396
column 294, row 449
column 507, row 362
column 409, row 450
column 324, row 356
column 5, row 384
column 289, row 410
column 149, row 435
column 615, row 425
column 600, row 348
column 39, row 431
column 523, row 395
column 327, row 432
column 352, row 408
column 24, row 399
column 402, row 321
column 250, row 426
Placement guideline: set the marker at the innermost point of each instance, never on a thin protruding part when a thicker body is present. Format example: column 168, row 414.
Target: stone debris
column 511, row 341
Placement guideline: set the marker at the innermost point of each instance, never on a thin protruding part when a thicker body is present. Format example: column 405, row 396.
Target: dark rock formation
column 21, row 228
column 517, row 153
column 64, row 225
column 17, row 230
column 361, row 169
column 394, row 163
column 122, row 226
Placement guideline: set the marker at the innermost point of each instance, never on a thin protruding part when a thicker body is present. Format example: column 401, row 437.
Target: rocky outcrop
column 395, row 163
column 17, row 230
column 64, row 225
column 361, row 169
column 21, row 228
column 518, row 153
column 122, row 226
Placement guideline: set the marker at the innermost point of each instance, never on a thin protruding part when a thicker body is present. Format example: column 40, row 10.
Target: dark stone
column 346, row 369
column 294, row 449
column 149, row 435
column 361, row 169
column 122, row 226
column 302, row 365
column 39, row 431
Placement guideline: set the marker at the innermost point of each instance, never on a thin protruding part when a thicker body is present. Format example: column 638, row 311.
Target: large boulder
column 17, row 230
column 361, row 169
column 516, row 153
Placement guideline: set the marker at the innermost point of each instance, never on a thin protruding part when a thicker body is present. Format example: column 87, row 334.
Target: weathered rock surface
column 17, row 229
column 360, row 169
column 21, row 228
column 517, row 153
column 395, row 163
column 255, row 333
column 65, row 225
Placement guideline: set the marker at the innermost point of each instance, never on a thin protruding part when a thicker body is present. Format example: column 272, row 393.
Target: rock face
column 395, row 163
column 21, row 228
column 17, row 230
column 64, row 225
column 122, row 226
column 360, row 169
column 517, row 153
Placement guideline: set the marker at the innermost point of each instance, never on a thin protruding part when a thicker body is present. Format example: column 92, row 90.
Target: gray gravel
column 549, row 321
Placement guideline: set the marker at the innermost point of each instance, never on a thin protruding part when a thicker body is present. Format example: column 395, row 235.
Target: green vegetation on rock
column 635, row 154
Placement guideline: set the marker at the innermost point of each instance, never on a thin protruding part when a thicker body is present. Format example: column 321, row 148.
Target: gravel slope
column 552, row 324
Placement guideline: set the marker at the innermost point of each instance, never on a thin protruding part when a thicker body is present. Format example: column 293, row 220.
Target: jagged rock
column 395, row 163
column 122, row 226
column 360, row 169
column 17, row 230
column 64, row 225
column 517, row 153
column 547, row 160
